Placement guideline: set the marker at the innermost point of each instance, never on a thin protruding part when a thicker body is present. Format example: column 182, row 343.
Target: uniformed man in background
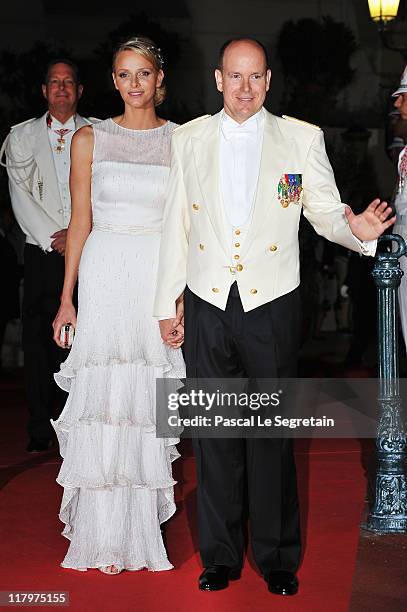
column 37, row 156
column 400, row 199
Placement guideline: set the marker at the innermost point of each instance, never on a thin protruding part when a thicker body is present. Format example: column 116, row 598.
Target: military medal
column 289, row 189
column 61, row 133
column 61, row 140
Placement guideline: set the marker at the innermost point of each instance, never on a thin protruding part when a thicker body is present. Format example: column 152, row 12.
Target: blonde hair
column 146, row 48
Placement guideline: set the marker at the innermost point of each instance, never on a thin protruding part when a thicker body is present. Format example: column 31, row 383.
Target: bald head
column 246, row 42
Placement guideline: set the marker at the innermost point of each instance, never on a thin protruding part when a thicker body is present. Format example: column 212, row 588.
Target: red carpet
column 332, row 489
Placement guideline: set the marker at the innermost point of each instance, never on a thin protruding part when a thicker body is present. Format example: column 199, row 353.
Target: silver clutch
column 67, row 334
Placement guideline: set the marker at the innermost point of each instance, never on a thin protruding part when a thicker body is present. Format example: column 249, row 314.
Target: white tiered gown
column 117, row 477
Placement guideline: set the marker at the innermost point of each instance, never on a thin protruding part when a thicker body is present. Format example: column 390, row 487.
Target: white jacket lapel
column 275, row 151
column 206, row 156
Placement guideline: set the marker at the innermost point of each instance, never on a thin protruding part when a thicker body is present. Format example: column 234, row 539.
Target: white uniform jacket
column 195, row 246
column 33, row 183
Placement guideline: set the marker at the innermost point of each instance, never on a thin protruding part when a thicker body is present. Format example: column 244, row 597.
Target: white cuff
column 368, row 246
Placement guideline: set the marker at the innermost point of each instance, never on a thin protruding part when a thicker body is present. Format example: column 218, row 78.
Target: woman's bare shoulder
column 82, row 142
column 84, row 135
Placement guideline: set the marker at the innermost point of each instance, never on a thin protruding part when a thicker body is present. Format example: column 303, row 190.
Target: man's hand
column 180, row 310
column 59, row 241
column 172, row 330
column 372, row 222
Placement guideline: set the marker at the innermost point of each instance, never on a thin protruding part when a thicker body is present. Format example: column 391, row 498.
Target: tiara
column 156, row 51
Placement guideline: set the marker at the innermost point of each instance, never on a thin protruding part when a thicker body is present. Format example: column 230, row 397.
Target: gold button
column 273, row 247
column 215, row 289
column 284, row 204
column 253, row 291
column 202, row 246
column 237, row 244
column 236, row 256
column 237, row 232
column 195, row 206
column 239, row 267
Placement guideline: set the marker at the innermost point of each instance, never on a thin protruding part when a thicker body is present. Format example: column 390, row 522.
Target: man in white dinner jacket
column 38, row 164
column 238, row 182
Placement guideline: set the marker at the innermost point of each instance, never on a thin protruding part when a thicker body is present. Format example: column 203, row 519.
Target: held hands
column 66, row 314
column 372, row 222
column 59, row 241
column 172, row 330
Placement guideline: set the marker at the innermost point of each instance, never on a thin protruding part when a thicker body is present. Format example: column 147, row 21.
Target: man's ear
column 219, row 79
column 268, row 79
column 44, row 90
column 80, row 91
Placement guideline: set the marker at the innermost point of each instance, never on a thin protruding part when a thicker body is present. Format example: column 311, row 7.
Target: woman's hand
column 65, row 315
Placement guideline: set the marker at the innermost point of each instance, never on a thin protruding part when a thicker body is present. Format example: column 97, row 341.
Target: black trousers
column 43, row 281
column 261, row 343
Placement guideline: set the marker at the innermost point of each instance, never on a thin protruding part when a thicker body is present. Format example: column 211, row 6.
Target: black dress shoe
column 38, row 446
column 216, row 577
column 282, row 582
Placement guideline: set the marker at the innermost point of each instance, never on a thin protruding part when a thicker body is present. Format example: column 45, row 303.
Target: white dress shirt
column 239, row 158
column 62, row 160
column 240, row 146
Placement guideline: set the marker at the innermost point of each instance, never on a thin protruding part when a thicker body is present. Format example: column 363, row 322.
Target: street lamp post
column 389, row 512
column 383, row 13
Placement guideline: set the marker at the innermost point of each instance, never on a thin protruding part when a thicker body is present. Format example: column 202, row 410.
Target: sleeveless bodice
column 129, row 175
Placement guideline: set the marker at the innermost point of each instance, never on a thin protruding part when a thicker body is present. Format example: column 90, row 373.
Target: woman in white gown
column 117, row 477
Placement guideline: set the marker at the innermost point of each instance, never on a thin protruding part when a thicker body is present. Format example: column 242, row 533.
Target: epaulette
column 180, row 127
column 22, row 123
column 295, row 120
column 92, row 120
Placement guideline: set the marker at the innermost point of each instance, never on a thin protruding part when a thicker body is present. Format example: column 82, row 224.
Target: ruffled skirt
column 116, row 474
